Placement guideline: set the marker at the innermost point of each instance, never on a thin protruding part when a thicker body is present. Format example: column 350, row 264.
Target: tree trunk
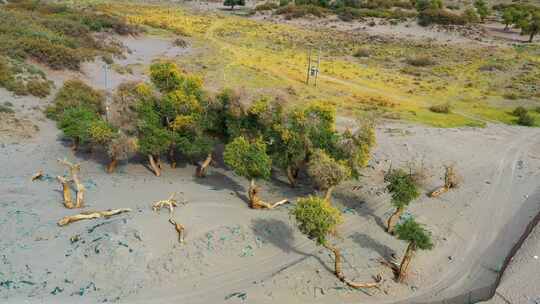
column 112, row 165
column 155, row 167
column 75, row 144
column 291, row 176
column 253, row 195
column 337, row 262
column 506, row 27
column 393, row 220
column 328, row 195
column 68, row 201
column 75, row 170
column 531, row 36
column 256, row 203
column 406, row 261
column 201, row 171
column 339, row 272
column 172, row 157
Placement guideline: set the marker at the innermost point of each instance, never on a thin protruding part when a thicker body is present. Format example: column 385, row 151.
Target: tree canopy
column 248, row 159
column 402, row 187
column 413, row 232
column 316, row 218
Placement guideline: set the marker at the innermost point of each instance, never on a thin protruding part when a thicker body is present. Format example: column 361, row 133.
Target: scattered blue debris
column 247, row 251
column 240, row 295
column 57, row 290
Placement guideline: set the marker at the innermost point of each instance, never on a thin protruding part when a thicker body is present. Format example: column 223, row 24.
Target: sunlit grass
column 268, row 58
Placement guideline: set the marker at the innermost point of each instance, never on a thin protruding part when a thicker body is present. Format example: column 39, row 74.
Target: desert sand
column 233, row 254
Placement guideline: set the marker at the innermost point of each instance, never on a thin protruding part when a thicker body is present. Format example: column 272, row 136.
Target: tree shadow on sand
column 366, row 241
column 349, row 200
column 280, row 234
column 218, row 181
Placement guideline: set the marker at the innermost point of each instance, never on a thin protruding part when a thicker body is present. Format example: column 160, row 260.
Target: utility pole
column 313, row 67
column 107, row 101
column 308, row 67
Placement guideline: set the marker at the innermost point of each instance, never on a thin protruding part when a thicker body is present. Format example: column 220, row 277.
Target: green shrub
column 350, row 13
column 268, row 6
column 56, row 35
column 441, row 16
column 519, row 111
column 316, row 218
column 422, row 5
column 441, row 108
column 38, row 88
column 525, row 119
column 6, row 109
column 75, row 93
column 401, row 186
column 75, row 123
column 511, row 96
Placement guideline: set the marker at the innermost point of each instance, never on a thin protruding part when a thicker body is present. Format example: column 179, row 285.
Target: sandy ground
column 236, row 255
column 520, row 283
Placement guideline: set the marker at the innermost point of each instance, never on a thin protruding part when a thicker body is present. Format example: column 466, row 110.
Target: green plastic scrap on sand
column 247, row 251
column 57, row 290
column 240, row 295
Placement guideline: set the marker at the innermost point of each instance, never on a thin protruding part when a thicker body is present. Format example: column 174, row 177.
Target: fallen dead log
column 37, row 175
column 179, row 228
column 91, row 215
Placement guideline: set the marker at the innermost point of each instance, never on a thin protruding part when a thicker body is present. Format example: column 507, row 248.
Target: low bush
column 6, row 109
column 56, row 35
column 38, row 88
column 519, row 111
column 511, row 96
column 420, row 61
column 268, row 6
column 350, row 13
column 441, row 16
column 525, row 119
column 298, row 11
column 362, row 53
column 441, row 108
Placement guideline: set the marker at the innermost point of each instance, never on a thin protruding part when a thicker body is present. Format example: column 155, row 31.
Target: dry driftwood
column 37, row 175
column 68, row 201
column 74, row 170
column 201, row 170
column 170, row 203
column 91, row 215
column 256, row 203
column 376, row 282
column 179, row 228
